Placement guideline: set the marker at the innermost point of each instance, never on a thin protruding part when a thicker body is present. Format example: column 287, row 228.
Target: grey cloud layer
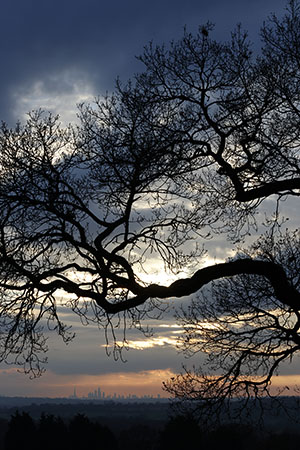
column 97, row 39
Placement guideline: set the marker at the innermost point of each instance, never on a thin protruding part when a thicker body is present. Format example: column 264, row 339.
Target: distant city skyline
column 98, row 394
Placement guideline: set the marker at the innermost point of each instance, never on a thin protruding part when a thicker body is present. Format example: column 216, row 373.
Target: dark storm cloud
column 97, row 40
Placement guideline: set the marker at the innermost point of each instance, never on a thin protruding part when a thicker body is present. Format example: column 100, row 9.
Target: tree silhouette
column 233, row 436
column 190, row 148
column 139, row 436
column 21, row 429
column 52, row 432
column 84, row 433
column 180, row 432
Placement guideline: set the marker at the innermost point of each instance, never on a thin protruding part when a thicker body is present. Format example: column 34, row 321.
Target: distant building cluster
column 97, row 394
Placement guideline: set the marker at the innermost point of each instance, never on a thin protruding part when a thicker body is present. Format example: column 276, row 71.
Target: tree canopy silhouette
column 190, row 148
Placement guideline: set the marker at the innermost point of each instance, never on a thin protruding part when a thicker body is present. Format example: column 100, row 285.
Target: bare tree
column 191, row 147
column 245, row 331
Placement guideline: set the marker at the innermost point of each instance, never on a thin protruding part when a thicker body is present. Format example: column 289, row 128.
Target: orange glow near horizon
column 53, row 385
column 122, row 383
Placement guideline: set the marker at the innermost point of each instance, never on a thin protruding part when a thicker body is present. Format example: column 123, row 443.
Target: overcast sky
column 57, row 53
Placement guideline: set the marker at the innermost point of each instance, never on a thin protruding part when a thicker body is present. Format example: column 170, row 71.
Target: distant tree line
column 51, row 432
column 179, row 432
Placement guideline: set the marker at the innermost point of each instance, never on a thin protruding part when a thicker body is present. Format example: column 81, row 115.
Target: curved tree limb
column 275, row 274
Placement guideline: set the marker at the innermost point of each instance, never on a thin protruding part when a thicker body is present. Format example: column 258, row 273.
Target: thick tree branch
column 274, row 273
column 270, row 188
